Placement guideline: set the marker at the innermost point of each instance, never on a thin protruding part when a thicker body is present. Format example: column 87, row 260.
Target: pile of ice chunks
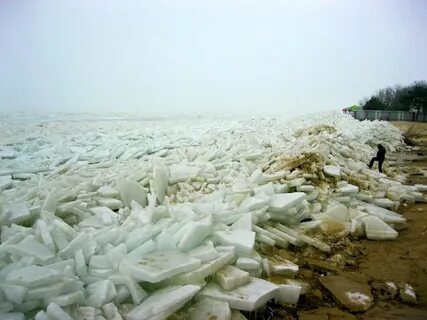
column 112, row 220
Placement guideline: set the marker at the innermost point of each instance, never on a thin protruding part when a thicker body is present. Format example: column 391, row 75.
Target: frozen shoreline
column 188, row 197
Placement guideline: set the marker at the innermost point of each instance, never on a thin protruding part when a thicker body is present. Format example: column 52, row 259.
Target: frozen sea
column 119, row 209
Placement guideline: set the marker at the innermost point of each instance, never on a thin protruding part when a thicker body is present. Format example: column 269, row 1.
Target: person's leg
column 380, row 165
column 372, row 162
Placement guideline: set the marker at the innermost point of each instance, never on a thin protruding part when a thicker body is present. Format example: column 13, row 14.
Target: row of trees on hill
column 408, row 98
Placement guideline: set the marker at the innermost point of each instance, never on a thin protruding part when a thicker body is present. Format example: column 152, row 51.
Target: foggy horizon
column 249, row 58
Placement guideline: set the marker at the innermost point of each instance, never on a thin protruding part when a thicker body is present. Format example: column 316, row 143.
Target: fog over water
column 188, row 57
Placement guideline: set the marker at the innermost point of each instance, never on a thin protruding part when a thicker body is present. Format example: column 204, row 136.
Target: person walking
column 380, row 158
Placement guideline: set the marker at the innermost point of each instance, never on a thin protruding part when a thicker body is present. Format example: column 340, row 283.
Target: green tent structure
column 353, row 108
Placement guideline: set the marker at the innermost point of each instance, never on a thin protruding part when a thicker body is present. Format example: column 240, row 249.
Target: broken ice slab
column 244, row 222
column 288, row 294
column 7, row 153
column 100, row 293
column 198, row 275
column 108, row 192
column 377, row 229
column 131, row 190
column 247, row 264
column 282, row 202
column 242, row 240
column 338, row 212
column 283, row 267
column 80, row 264
column 50, row 202
column 305, row 286
column 348, row 189
column 262, row 238
column 305, row 188
column 136, row 292
column 106, row 215
column 315, row 243
column 331, row 225
column 5, row 182
column 23, row 176
column 196, row 232
column 14, row 213
column 266, row 189
column 41, row 315
column 248, row 297
column 255, row 203
column 30, row 246
column 157, row 266
column 160, row 180
column 33, row 276
column 204, row 253
column 279, row 241
column 210, row 309
column 384, row 203
column 417, row 196
column 240, row 186
column 296, row 182
column 286, row 236
column 421, row 187
column 86, row 313
column 163, row 303
column 180, row 172
column 12, row 316
column 52, row 290
column 111, row 312
column 384, row 214
column 230, row 277
column 66, row 299
column 14, row 293
column 54, row 312
column 81, row 241
column 364, row 196
column 332, row 171
column 139, row 236
column 113, row 204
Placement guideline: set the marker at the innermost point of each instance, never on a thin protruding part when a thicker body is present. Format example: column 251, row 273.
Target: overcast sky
column 196, row 56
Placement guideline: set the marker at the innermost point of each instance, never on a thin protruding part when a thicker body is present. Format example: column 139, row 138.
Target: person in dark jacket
column 380, row 158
